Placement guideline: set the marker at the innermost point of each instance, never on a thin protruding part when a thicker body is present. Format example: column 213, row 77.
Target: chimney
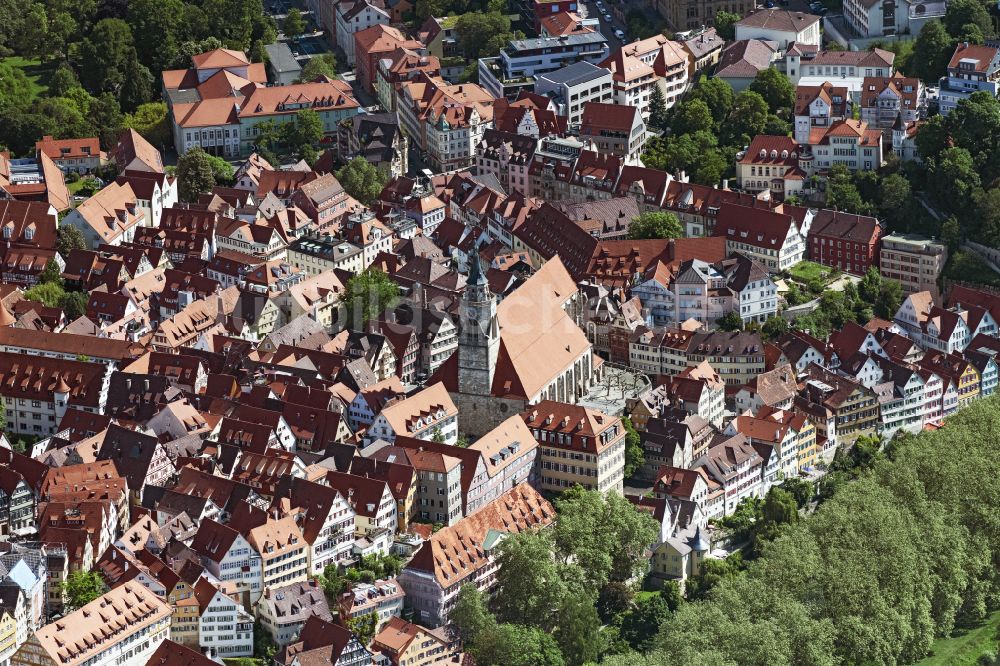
column 220, row 315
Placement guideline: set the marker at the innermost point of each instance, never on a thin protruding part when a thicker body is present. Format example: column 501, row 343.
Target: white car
column 620, row 35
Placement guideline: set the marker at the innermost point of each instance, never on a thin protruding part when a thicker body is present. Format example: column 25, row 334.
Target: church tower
column 479, row 342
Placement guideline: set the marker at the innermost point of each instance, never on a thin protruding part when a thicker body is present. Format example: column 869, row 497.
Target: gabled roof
column 982, row 58
column 453, row 554
column 762, row 228
column 362, row 493
column 82, row 635
column 746, row 58
column 219, row 58
column 170, row 653
column 778, row 19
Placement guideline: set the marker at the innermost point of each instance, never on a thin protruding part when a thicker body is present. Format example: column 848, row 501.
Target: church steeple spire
column 479, row 342
column 476, row 275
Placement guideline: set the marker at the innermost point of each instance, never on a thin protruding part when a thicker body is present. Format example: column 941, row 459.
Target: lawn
column 966, row 266
column 807, row 271
column 964, row 649
column 36, row 72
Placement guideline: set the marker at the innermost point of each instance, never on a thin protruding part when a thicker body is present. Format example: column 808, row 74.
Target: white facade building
column 224, row 626
column 353, row 17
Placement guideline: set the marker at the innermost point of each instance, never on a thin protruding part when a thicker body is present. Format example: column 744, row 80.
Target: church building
column 517, row 352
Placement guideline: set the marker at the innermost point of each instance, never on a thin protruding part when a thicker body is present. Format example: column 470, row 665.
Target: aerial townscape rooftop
column 519, row 333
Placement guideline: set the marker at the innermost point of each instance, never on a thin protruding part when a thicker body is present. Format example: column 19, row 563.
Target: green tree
column 952, row 179
column 780, row 507
column 51, row 274
column 658, row 114
column 731, row 321
column 232, row 21
column 105, row 56
column 367, row 295
column 15, row 88
column 692, row 116
column 800, row 489
column 777, row 126
column 530, row 586
column 517, row 645
column 690, row 152
column 33, row 35
column 717, row 94
column 424, row 9
column 712, row 573
column 725, row 24
column 62, row 31
column 137, row 87
column 62, row 80
column 962, row 13
column 82, row 587
column 931, row 53
column 159, row 23
column 150, row 120
column 304, row 134
column 74, row 305
column 333, row 583
column 896, row 197
column 293, row 25
column 578, row 630
column 614, row 599
column 774, row 328
column 776, row 89
column 324, row 64
column 975, row 126
column 746, row 120
column 49, row 293
column 890, row 297
column 932, row 137
column 971, row 33
column 671, row 594
column 69, row 238
column 107, row 118
column 986, row 204
column 470, row 616
column 842, row 194
column 362, row 180
column 635, row 455
column 655, row 224
column 264, row 646
column 222, row 171
column 641, row 624
column 364, row 627
column 195, row 175
column 605, row 536
column 482, row 34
